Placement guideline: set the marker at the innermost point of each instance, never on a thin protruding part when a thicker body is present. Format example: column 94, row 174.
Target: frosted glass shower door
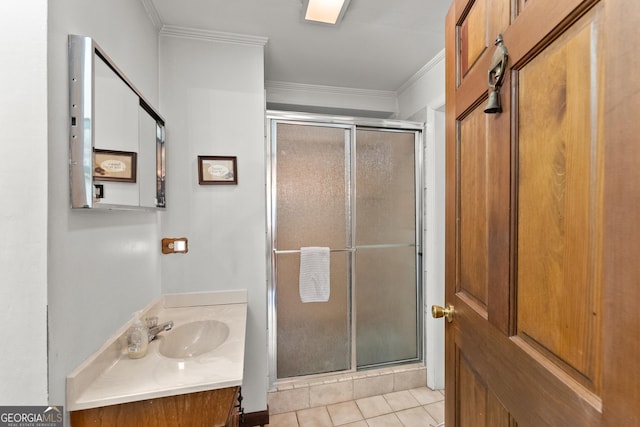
column 386, row 242
column 353, row 189
column 312, row 209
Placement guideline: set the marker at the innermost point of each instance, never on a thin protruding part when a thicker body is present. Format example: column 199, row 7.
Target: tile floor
column 418, row 407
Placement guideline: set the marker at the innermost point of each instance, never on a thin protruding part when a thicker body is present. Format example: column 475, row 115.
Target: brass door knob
column 437, row 312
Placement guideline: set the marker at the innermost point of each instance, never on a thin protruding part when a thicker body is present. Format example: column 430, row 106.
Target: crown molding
column 216, row 36
column 422, row 71
column 152, row 13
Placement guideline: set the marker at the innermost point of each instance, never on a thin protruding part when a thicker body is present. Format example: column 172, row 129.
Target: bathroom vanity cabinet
column 198, row 388
column 213, row 408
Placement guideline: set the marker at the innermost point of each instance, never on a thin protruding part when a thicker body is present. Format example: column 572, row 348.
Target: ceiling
column 379, row 45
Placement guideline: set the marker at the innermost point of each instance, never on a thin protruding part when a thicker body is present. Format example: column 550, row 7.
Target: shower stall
column 352, row 186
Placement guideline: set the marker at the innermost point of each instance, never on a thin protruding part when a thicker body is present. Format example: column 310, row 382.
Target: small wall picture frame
column 217, row 170
column 110, row 165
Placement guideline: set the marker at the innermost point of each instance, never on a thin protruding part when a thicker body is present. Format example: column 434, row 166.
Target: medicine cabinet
column 116, row 139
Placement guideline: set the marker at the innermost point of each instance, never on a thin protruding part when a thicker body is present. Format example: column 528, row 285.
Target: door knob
column 437, row 312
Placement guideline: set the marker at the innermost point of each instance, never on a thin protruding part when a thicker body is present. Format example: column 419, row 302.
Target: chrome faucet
column 155, row 330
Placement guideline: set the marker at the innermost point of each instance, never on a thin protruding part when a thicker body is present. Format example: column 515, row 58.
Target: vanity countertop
column 110, row 377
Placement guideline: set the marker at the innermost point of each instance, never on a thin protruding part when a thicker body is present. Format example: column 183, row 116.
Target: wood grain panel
column 451, row 224
column 204, row 409
column 534, row 394
column 499, row 174
column 473, row 35
column 520, row 5
column 540, row 20
column 472, row 167
column 477, row 31
column 559, row 225
column 497, row 415
column 621, row 294
column 498, row 19
column 481, row 407
column 474, row 395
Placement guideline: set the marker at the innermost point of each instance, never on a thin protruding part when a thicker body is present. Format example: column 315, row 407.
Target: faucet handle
column 151, row 322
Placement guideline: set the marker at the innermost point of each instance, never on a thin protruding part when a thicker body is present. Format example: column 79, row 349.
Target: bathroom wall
column 23, row 212
column 422, row 99
column 101, row 265
column 212, row 95
column 422, row 91
column 380, row 104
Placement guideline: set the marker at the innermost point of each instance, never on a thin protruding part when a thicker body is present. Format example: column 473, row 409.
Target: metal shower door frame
column 273, row 118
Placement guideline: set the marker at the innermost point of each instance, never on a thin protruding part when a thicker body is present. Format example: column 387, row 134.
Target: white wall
column 102, row 265
column 331, row 100
column 212, row 96
column 424, row 90
column 422, row 99
column 23, row 212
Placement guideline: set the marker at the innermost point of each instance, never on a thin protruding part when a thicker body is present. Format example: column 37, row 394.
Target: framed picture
column 213, row 170
column 109, row 165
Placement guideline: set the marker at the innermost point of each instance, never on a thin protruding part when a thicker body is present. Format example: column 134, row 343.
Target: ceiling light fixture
column 325, row 11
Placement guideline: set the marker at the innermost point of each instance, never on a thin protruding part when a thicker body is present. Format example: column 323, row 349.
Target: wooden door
column 543, row 215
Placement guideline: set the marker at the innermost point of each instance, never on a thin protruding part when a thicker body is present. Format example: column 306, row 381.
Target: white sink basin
column 193, row 339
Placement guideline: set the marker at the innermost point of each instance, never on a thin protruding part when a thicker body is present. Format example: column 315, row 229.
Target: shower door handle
column 437, row 312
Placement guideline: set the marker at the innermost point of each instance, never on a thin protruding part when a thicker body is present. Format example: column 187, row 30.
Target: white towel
column 314, row 274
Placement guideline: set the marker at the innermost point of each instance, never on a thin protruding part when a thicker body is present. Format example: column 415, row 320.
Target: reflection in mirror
column 109, row 116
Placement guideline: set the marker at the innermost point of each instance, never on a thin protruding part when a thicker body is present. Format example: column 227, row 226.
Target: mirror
column 117, row 140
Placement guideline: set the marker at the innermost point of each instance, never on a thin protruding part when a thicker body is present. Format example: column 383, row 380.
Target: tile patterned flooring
column 418, row 407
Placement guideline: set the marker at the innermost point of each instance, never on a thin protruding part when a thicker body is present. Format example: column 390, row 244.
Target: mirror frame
column 82, row 53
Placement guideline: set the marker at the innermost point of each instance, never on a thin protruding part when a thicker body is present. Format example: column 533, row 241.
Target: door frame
column 434, row 240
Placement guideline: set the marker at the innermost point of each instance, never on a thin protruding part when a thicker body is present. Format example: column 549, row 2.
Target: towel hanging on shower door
column 314, row 285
